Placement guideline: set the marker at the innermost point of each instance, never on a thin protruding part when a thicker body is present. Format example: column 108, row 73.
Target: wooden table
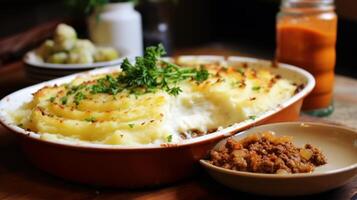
column 20, row 180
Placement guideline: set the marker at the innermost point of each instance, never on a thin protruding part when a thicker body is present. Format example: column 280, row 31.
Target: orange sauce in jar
column 309, row 41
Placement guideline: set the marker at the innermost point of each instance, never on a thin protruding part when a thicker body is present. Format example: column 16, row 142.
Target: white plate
column 34, row 61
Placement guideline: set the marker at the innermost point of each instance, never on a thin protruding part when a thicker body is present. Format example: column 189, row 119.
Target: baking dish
column 149, row 165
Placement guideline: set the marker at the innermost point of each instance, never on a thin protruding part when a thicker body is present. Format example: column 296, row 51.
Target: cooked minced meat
column 266, row 153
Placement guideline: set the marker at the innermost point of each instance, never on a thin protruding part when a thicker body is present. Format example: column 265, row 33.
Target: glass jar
column 306, row 37
column 157, row 23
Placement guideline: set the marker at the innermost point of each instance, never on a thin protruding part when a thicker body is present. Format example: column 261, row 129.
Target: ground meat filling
column 267, row 153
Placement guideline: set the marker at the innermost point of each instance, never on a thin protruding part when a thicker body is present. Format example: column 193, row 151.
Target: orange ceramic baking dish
column 133, row 167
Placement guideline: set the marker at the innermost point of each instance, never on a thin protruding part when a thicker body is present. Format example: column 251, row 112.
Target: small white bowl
column 38, row 71
column 338, row 144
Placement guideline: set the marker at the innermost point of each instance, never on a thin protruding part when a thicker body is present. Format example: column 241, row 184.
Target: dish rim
column 44, row 65
column 225, row 132
column 217, row 169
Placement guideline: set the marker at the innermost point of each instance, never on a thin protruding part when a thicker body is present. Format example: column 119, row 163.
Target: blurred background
column 240, row 26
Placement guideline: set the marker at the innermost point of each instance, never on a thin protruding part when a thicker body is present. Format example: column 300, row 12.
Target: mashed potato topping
column 229, row 95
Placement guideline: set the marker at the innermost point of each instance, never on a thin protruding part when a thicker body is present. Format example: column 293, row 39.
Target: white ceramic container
column 118, row 25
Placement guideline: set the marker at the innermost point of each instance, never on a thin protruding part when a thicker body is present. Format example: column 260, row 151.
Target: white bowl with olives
column 66, row 54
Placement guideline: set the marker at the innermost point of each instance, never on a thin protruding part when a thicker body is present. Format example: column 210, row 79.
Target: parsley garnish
column 256, row 88
column 90, row 119
column 241, row 71
column 108, row 84
column 52, row 99
column 202, row 75
column 252, row 117
column 174, row 91
column 169, row 138
column 75, row 88
column 236, row 83
column 64, row 100
column 148, row 74
column 131, row 125
column 78, row 97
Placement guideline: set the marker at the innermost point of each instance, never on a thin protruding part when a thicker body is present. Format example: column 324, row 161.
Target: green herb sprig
column 256, row 88
column 252, row 117
column 148, row 74
column 90, row 119
column 169, row 138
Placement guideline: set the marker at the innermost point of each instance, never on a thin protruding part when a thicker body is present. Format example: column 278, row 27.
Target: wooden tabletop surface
column 20, row 180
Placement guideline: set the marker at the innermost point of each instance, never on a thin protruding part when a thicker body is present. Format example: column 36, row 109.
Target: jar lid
column 306, row 3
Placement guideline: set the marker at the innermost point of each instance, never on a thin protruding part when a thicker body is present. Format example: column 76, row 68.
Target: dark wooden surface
column 20, row 180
